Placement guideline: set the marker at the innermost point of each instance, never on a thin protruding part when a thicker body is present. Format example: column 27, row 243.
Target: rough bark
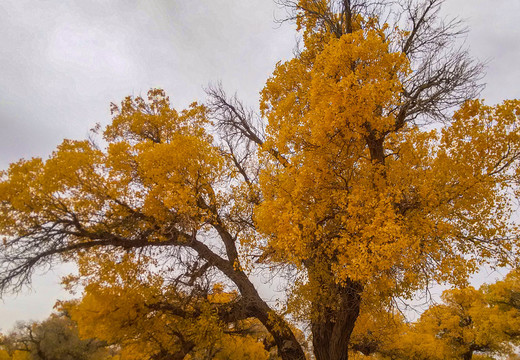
column 335, row 309
column 333, row 319
column 468, row 355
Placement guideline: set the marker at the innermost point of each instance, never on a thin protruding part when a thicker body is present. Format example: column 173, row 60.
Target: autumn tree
column 138, row 310
column 9, row 352
column 505, row 295
column 341, row 183
column 379, row 332
column 363, row 197
column 55, row 338
column 160, row 189
column 463, row 325
column 466, row 324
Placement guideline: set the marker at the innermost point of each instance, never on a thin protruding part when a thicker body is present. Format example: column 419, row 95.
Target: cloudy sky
column 63, row 62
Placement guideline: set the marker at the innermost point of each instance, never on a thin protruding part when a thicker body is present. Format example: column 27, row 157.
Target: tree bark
column 332, row 324
column 286, row 342
column 255, row 306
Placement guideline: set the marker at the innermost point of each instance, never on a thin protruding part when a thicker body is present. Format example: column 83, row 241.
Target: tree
column 153, row 192
column 53, row 339
column 364, row 197
column 8, row 352
column 466, row 324
column 341, row 183
column 135, row 309
column 505, row 295
column 379, row 332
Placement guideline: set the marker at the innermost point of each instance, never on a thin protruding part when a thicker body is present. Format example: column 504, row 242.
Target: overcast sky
column 63, row 61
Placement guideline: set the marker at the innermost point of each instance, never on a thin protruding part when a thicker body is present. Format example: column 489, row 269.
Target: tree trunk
column 288, row 346
column 255, row 306
column 332, row 324
column 468, row 355
column 286, row 342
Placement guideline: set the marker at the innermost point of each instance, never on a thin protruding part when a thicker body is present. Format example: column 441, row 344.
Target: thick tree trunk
column 288, row 346
column 332, row 324
column 254, row 305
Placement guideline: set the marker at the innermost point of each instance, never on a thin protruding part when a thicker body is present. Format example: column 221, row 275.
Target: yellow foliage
column 122, row 305
column 364, row 197
column 20, row 355
column 465, row 323
column 135, row 172
column 349, row 189
column 504, row 295
column 378, row 332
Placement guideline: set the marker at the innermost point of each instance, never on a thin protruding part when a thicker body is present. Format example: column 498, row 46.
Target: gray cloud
column 63, row 62
column 493, row 37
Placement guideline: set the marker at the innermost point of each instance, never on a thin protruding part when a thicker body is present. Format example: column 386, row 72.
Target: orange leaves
column 340, row 95
column 159, row 163
column 465, row 323
column 332, row 199
column 154, row 120
column 169, row 155
column 355, row 80
column 380, row 200
column 129, row 303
